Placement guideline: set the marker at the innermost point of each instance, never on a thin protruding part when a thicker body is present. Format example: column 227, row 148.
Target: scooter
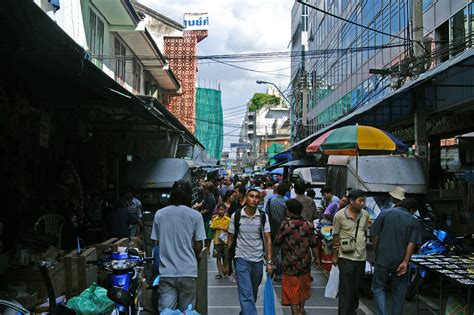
column 125, row 280
column 443, row 243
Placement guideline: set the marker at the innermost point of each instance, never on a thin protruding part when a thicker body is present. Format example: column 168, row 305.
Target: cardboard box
column 33, row 280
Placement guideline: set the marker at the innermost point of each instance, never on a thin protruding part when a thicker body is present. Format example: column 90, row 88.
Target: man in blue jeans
column 253, row 241
column 395, row 234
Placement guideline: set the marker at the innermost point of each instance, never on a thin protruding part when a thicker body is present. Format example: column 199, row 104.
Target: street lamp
column 281, row 93
column 292, row 110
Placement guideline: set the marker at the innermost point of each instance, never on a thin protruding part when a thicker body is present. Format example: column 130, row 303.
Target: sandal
column 218, row 277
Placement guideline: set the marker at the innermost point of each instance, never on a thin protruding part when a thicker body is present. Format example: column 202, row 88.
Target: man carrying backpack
column 249, row 236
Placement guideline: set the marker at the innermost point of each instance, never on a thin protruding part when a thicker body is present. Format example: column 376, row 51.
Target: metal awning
column 397, row 103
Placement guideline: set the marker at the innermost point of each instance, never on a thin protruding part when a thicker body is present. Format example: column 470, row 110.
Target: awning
column 299, row 163
column 382, row 106
column 285, row 155
column 57, row 75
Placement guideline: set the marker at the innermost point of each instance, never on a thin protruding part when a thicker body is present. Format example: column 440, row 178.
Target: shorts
column 220, row 251
column 295, row 289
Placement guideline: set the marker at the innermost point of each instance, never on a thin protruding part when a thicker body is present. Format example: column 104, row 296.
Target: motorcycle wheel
column 411, row 290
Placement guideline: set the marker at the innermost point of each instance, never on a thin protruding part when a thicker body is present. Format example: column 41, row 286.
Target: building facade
column 182, row 52
column 342, row 54
column 266, row 131
column 119, row 43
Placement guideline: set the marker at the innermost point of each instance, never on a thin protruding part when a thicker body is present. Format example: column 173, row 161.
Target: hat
column 398, row 193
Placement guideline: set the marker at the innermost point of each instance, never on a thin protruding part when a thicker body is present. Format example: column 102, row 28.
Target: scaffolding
column 209, row 128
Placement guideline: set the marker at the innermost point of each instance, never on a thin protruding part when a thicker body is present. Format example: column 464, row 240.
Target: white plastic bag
column 332, row 287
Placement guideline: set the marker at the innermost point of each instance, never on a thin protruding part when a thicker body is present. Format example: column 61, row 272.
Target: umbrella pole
column 357, row 168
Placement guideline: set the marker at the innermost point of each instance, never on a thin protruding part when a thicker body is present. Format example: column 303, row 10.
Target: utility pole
column 304, row 90
column 418, row 99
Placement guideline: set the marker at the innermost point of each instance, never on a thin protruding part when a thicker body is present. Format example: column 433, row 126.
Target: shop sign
column 196, row 21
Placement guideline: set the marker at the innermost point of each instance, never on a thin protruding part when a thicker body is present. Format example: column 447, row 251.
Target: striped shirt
column 249, row 240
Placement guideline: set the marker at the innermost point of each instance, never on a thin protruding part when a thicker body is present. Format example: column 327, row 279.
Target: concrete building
column 408, row 70
column 118, row 42
column 267, row 131
column 340, row 79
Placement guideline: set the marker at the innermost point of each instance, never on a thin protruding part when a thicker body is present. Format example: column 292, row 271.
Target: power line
column 251, row 70
column 352, row 22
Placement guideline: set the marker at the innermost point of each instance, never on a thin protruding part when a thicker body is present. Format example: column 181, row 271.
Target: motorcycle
column 125, row 280
column 443, row 243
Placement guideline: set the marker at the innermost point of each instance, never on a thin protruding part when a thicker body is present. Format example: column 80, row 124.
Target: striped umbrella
column 357, row 140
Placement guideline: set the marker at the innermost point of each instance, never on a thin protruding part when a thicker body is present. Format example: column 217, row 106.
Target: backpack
column 237, row 216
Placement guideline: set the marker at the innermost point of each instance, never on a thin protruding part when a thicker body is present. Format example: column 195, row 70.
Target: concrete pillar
column 435, row 169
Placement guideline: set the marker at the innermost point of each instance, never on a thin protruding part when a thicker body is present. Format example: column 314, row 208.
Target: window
column 120, row 52
column 137, row 73
column 96, row 38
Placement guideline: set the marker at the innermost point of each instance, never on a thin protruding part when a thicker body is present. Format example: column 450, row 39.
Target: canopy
column 356, row 140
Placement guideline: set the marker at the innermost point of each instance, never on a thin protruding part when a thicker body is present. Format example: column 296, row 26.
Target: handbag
column 348, row 245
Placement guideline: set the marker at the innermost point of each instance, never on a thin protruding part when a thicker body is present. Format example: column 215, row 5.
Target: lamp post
column 281, row 93
column 292, row 111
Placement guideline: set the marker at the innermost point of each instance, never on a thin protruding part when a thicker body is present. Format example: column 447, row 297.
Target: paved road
column 223, row 298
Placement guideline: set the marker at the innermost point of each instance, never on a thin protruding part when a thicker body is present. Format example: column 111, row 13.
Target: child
column 220, row 225
column 296, row 238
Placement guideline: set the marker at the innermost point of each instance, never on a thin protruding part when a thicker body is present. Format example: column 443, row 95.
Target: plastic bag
column 332, row 287
column 455, row 306
column 189, row 311
column 168, row 311
column 93, row 300
column 268, row 297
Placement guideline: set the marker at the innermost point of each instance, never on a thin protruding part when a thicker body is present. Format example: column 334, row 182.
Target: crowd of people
column 269, row 225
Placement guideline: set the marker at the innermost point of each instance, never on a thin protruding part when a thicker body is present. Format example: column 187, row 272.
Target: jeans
column 399, row 289
column 132, row 230
column 350, row 278
column 249, row 276
column 177, row 293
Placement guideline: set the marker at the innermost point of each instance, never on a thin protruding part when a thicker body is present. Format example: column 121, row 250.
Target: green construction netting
column 274, row 149
column 209, row 128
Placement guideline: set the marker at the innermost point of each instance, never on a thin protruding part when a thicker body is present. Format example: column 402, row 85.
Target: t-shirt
column 209, row 205
column 345, row 227
column 309, row 212
column 396, row 228
column 249, row 241
column 276, row 210
column 176, row 228
column 334, row 199
column 296, row 238
column 331, row 210
column 223, row 224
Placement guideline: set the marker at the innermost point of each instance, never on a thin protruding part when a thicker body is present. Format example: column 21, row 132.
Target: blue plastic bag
column 268, row 297
column 168, row 311
column 188, row 311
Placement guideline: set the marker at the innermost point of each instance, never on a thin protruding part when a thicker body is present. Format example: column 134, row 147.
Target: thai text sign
column 241, row 145
column 196, row 21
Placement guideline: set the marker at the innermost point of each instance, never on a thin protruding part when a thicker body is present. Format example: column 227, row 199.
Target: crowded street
column 237, row 157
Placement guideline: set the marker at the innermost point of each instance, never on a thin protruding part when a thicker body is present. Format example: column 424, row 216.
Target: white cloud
column 237, row 26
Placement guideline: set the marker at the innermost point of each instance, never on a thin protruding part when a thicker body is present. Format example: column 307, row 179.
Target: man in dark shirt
column 239, row 201
column 297, row 239
column 395, row 234
column 207, row 209
column 119, row 220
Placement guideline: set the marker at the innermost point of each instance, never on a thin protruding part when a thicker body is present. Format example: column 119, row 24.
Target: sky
column 236, row 27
